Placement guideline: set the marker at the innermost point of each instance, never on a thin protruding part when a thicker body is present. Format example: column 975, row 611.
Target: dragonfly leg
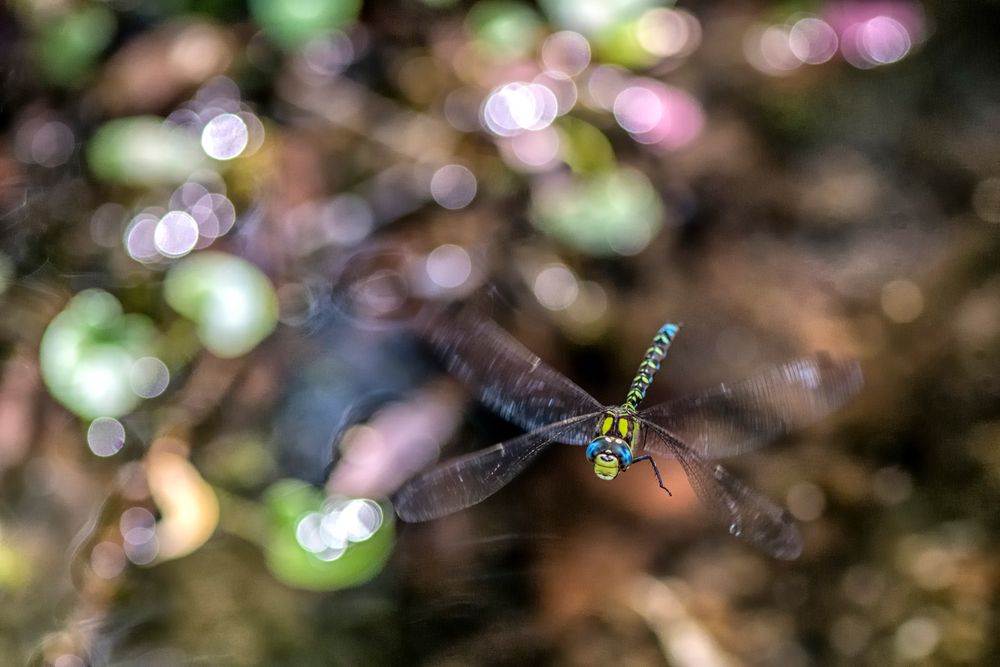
column 656, row 471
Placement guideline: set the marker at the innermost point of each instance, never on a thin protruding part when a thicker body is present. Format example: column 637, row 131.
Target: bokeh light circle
column 556, row 287
column 532, row 151
column 917, row 638
column 812, row 40
column 637, row 109
column 806, row 501
column 563, row 87
column 667, row 33
column 660, row 115
column 149, row 377
column 328, row 55
column 516, row 107
column 453, row 186
column 307, row 532
column 883, row 40
column 768, row 48
column 106, row 436
column 138, row 529
column 225, row 137
column 175, row 234
column 45, row 143
column 139, row 237
column 449, row 266
column 360, row 519
column 566, row 52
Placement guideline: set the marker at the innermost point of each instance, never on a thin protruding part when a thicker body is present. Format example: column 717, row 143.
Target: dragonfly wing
column 470, row 479
column 733, row 418
column 505, row 376
column 748, row 514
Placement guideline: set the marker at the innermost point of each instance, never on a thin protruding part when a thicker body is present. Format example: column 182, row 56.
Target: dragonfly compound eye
column 595, row 448
column 609, row 456
column 622, row 452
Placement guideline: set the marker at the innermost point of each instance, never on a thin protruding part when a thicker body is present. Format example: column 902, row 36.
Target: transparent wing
column 505, row 376
column 470, row 479
column 733, row 418
column 747, row 513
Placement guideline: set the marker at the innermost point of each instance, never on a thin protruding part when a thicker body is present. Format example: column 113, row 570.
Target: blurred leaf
column 87, row 353
column 143, row 150
column 239, row 460
column 231, row 301
column 616, row 212
column 594, row 17
column 584, row 147
column 620, row 45
column 288, row 501
column 293, row 22
column 15, row 569
column 69, row 46
column 506, row 29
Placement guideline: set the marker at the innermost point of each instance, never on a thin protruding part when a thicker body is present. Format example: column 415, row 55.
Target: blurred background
column 218, row 218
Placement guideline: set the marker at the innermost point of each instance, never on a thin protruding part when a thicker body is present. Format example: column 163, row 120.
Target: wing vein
column 747, row 513
column 466, row 480
column 730, row 419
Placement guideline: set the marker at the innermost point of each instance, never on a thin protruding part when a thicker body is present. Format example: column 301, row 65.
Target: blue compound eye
column 593, row 449
column 622, row 453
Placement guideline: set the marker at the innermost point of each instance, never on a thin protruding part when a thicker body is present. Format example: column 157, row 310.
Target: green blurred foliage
column 293, row 22
column 230, row 300
column 595, row 17
column 288, row 501
column 68, row 46
column 620, row 45
column 585, row 148
column 504, row 28
column 88, row 351
column 616, row 211
column 143, row 151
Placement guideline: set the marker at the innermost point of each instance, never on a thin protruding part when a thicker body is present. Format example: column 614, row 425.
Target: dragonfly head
column 609, row 455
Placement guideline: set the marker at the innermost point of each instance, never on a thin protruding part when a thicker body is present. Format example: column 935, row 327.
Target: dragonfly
column 722, row 421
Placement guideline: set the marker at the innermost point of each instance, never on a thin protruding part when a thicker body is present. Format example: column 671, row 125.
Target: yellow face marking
column 606, row 426
column 606, row 470
column 623, row 427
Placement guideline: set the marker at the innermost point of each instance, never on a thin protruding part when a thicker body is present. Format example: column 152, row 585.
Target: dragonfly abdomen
column 650, row 364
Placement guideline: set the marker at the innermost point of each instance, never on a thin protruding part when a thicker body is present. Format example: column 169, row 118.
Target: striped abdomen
column 650, row 364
